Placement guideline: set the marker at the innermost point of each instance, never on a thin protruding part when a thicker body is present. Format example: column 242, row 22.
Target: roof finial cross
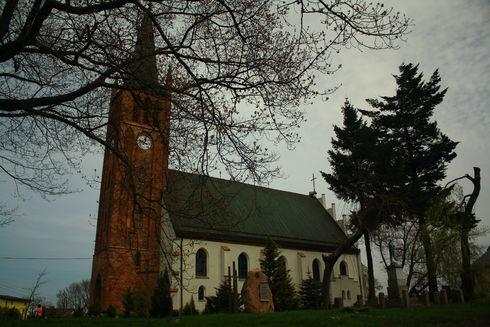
column 313, row 180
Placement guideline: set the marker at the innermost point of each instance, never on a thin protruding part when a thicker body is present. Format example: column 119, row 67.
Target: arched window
column 343, row 295
column 343, row 269
column 348, row 295
column 316, row 269
column 242, row 265
column 201, row 263
column 201, row 293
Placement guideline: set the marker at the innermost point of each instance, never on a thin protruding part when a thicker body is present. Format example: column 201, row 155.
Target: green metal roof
column 209, row 208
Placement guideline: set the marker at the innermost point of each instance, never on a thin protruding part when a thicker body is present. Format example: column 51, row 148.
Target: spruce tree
column 311, row 293
column 222, row 301
column 421, row 151
column 274, row 266
column 161, row 301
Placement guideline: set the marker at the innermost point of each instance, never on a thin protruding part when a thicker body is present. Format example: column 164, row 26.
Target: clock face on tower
column 143, row 141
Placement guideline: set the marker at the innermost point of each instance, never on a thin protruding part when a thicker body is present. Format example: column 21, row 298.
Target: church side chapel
column 152, row 218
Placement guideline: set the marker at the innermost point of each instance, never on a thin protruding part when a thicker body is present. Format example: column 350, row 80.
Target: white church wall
column 220, row 255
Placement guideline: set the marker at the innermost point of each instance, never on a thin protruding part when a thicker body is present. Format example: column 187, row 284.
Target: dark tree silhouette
column 421, row 151
column 161, row 300
column 353, row 164
column 466, row 220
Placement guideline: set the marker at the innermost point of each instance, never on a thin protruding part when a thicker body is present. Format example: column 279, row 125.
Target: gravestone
column 256, row 294
column 405, row 298
column 360, row 300
column 460, row 296
column 443, row 297
column 426, row 298
column 381, row 297
column 436, row 298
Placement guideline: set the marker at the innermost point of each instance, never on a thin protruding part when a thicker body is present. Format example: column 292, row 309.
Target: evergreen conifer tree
column 274, row 266
column 355, row 166
column 222, row 301
column 161, row 301
column 311, row 293
column 421, row 151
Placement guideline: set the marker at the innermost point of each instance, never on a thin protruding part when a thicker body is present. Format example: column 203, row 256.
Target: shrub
column 128, row 302
column 190, row 308
column 311, row 293
column 94, row 310
column 142, row 303
column 161, row 301
column 9, row 314
column 221, row 301
column 78, row 313
column 111, row 311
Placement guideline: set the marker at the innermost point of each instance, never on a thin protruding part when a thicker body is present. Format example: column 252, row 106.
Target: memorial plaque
column 264, row 292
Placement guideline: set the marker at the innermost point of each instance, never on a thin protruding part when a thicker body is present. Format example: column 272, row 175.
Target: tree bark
column 371, row 290
column 467, row 285
column 429, row 258
column 330, row 261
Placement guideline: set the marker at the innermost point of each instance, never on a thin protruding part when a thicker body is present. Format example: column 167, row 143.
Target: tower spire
column 144, row 72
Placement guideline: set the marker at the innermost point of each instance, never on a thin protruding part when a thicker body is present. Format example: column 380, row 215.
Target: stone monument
column 256, row 294
column 396, row 279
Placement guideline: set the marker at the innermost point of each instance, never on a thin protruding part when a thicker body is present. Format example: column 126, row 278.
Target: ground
column 442, row 315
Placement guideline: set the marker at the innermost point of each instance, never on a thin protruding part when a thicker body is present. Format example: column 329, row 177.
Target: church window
column 343, row 295
column 201, row 293
column 316, row 269
column 137, row 259
column 348, row 295
column 343, row 268
column 242, row 266
column 201, row 263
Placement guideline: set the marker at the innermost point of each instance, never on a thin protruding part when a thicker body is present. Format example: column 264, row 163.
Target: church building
column 152, row 218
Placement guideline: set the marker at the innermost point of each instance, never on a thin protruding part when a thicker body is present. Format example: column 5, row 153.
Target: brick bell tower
column 127, row 247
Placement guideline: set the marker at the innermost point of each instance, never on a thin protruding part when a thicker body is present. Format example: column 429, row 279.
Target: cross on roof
column 313, row 180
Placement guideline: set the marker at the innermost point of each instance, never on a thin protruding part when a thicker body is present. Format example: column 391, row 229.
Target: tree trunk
column 467, row 282
column 429, row 259
column 466, row 274
column 326, row 282
column 330, row 261
column 371, row 290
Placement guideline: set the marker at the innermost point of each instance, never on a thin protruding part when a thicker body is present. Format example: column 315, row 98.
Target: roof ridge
column 246, row 184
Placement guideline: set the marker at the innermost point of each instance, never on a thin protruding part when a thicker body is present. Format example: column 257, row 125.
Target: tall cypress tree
column 421, row 151
column 354, row 163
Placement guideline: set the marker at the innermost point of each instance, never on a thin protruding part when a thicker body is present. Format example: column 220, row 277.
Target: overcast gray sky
column 452, row 35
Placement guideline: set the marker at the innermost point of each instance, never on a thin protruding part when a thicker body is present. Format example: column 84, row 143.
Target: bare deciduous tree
column 74, row 296
column 241, row 71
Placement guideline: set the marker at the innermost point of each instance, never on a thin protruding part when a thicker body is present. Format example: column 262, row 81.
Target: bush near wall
column 9, row 314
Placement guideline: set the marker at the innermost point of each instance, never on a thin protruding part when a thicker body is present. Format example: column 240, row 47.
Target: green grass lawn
column 442, row 315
